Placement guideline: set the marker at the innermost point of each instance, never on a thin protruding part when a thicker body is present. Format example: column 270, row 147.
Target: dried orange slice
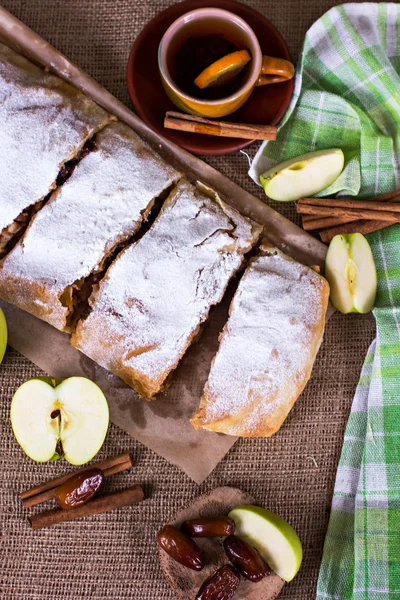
column 223, row 70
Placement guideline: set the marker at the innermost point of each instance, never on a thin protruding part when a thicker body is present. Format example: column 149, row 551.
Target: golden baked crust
column 267, row 348
column 43, row 123
column 155, row 296
column 101, row 205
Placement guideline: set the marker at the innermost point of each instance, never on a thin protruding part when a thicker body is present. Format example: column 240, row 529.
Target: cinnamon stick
column 353, row 204
column 306, row 218
column 110, row 466
column 49, row 494
column 39, row 498
column 354, row 227
column 364, row 214
column 327, row 213
column 312, row 223
column 395, row 196
column 102, row 504
column 194, row 124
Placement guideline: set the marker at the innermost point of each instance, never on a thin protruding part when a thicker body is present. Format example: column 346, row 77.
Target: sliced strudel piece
column 153, row 299
column 101, row 205
column 267, row 348
column 43, row 123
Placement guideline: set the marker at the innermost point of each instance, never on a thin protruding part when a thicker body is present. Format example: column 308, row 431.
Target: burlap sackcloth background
column 114, row 556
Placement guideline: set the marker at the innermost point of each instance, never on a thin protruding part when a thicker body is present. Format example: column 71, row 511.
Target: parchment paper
column 163, row 424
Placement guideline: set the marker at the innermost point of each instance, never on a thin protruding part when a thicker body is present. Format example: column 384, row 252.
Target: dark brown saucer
column 266, row 105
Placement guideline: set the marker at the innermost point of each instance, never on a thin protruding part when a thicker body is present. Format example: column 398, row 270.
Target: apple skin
column 80, row 425
column 351, row 273
column 303, row 176
column 3, row 335
column 250, row 521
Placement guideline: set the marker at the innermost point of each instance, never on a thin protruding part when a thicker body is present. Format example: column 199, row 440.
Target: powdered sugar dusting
column 267, row 347
column 158, row 292
column 100, row 206
column 43, row 122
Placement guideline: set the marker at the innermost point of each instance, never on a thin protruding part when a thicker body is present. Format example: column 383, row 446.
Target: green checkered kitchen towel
column 347, row 95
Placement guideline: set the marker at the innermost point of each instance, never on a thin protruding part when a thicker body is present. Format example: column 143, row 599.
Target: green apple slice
column 303, row 176
column 351, row 273
column 3, row 335
column 274, row 538
column 74, row 413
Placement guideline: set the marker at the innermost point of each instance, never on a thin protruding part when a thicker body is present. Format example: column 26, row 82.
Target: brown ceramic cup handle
column 275, row 70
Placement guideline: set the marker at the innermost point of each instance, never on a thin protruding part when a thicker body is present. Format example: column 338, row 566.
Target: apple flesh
column 274, row 538
column 73, row 413
column 3, row 335
column 351, row 273
column 303, row 176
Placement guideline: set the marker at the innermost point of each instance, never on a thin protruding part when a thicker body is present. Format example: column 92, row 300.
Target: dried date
column 221, row 585
column 245, row 558
column 209, row 527
column 79, row 488
column 180, row 547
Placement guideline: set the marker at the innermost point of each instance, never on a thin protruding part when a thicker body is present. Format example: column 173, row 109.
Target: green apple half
column 351, row 273
column 45, row 413
column 303, row 176
column 3, row 335
column 274, row 538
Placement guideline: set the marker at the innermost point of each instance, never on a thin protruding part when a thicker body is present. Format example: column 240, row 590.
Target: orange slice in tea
column 223, row 70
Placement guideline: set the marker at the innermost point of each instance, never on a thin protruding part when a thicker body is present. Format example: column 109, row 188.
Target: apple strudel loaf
column 44, row 122
column 102, row 204
column 267, row 348
column 154, row 297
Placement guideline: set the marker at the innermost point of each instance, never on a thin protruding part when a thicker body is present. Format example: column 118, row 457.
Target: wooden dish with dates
column 186, row 582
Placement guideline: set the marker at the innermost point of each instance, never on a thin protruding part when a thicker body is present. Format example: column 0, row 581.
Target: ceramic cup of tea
column 199, row 38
